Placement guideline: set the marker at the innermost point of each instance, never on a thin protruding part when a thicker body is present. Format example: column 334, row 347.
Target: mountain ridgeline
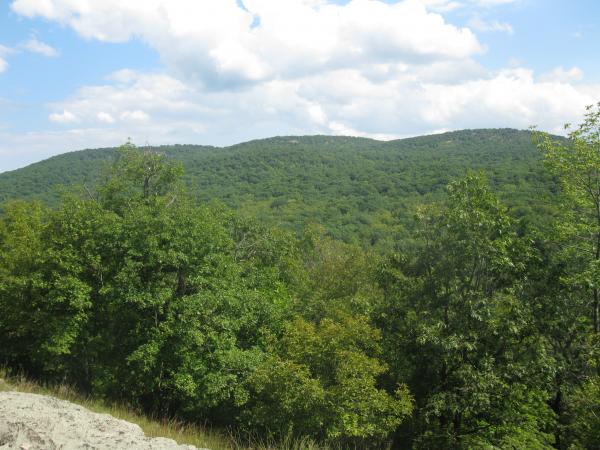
column 362, row 190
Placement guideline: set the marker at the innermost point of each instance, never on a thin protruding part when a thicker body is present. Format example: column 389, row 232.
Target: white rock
column 39, row 422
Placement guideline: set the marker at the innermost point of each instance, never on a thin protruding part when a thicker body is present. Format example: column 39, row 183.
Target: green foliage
column 458, row 330
column 362, row 191
column 335, row 276
column 583, row 416
column 138, row 176
column 355, row 323
column 576, row 163
column 136, row 294
column 567, row 286
column 322, row 380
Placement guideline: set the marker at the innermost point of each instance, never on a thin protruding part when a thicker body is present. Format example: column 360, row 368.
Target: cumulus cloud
column 4, row 52
column 479, row 24
column 160, row 108
column 513, row 98
column 561, row 75
column 235, row 71
column 105, row 117
column 134, row 116
column 451, row 5
column 222, row 43
column 63, row 117
column 365, row 66
column 510, row 98
column 34, row 45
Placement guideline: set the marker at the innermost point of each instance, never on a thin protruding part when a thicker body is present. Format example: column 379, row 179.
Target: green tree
column 136, row 293
column 322, row 380
column 335, row 276
column 576, row 164
column 21, row 284
column 322, row 374
column 139, row 176
column 566, row 284
column 458, row 331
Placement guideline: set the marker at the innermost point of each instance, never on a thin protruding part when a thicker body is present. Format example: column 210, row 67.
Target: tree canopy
column 476, row 326
column 361, row 190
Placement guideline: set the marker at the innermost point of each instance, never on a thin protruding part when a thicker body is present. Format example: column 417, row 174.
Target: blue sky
column 93, row 73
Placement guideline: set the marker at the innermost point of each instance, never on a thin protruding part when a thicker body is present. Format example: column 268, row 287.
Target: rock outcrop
column 39, row 422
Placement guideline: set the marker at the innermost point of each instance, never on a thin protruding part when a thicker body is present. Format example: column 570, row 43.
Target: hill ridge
column 272, row 138
column 359, row 188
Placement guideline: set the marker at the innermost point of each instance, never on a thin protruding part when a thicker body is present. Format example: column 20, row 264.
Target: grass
column 181, row 432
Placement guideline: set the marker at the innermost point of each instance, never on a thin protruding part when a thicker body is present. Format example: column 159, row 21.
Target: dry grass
column 181, row 432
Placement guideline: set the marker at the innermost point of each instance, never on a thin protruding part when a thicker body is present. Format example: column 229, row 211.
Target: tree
column 458, row 331
column 570, row 350
column 21, row 283
column 566, row 284
column 321, row 380
column 139, row 176
column 137, row 293
column 576, row 164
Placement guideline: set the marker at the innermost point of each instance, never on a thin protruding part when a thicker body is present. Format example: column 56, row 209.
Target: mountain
column 361, row 189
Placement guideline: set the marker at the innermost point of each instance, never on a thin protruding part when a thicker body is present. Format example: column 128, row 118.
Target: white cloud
column 508, row 98
column 479, row 24
column 4, row 52
column 17, row 150
column 160, row 109
column 493, row 2
column 105, row 117
column 341, row 129
column 511, row 98
column 342, row 101
column 34, row 45
column 63, row 117
column 443, row 6
column 451, row 5
column 134, row 116
column 366, row 68
column 221, row 44
column 561, row 75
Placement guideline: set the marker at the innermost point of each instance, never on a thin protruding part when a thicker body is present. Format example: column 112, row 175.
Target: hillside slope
column 360, row 189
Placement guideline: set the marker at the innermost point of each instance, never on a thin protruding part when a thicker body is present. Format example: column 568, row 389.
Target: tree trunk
column 595, row 311
column 557, row 405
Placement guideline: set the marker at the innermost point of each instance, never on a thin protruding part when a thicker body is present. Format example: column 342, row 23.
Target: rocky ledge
column 39, row 422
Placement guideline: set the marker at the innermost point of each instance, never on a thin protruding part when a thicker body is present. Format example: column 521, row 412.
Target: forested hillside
column 361, row 190
column 477, row 328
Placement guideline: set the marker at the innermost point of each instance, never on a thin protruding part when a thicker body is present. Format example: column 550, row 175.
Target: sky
column 78, row 74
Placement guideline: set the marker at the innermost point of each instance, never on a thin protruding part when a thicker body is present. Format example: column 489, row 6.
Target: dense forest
column 361, row 190
column 249, row 287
